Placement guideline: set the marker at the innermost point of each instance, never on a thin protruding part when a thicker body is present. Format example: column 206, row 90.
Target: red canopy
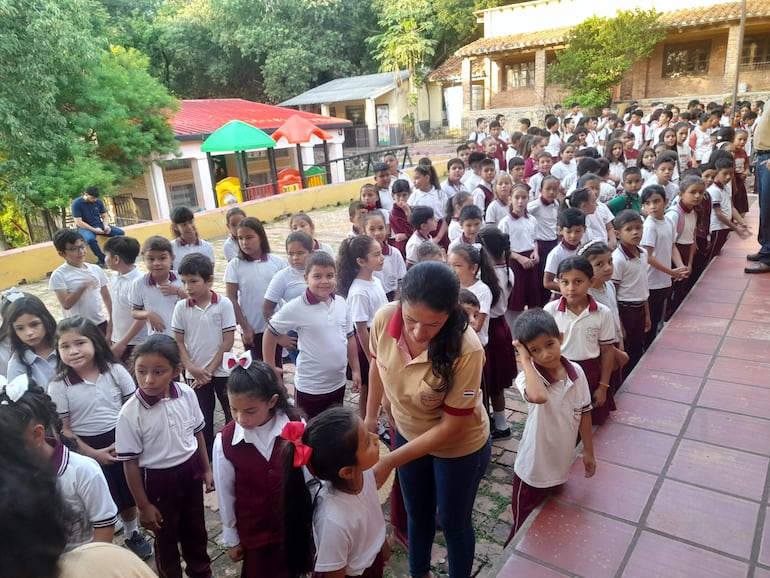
column 298, row 130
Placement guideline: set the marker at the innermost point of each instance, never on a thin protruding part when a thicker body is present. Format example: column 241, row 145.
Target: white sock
column 129, row 527
column 499, row 418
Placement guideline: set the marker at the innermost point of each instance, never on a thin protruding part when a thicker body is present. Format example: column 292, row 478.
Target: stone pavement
column 492, row 512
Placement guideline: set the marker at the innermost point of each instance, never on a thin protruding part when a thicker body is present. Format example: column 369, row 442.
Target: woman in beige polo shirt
column 428, row 362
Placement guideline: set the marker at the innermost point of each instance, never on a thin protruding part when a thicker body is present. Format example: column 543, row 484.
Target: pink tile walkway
column 681, row 486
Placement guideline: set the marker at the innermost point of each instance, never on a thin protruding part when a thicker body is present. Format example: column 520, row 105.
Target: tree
column 600, row 50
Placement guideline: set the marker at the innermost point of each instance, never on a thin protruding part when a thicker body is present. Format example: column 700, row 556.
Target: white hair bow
column 230, row 360
column 12, row 294
column 14, row 389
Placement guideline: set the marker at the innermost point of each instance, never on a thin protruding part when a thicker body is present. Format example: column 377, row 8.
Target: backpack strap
column 680, row 220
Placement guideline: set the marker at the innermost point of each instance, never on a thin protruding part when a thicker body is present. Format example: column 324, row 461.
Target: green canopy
column 237, row 136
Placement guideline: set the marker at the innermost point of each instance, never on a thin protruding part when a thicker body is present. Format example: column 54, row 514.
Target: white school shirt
column 386, row 201
column 231, row 249
column 40, row 370
column 640, row 134
column 702, row 141
column 454, row 230
column 323, row 331
column 348, row 529
column 478, row 195
column 92, row 408
column 411, row 246
column 470, row 180
column 159, row 432
column 203, row 329
column 520, row 230
column 393, row 269
column 401, row 175
column 121, row 287
column 607, row 191
column 450, row 190
column 721, row 198
column 608, row 298
column 84, row 490
column 434, row 198
column 546, row 219
column 495, row 212
column 596, row 223
column 364, row 300
column 535, row 182
column 630, row 275
column 658, row 234
column 461, row 240
column 583, row 333
column 252, row 278
column 561, row 170
column 616, row 170
column 285, row 285
column 547, row 447
column 506, row 280
column 263, row 439
column 318, row 246
column 68, row 278
column 684, row 155
column 147, row 296
column 5, row 355
column 484, row 294
column 687, row 236
column 671, row 189
column 182, row 249
column 569, row 183
column 554, row 144
column 556, row 256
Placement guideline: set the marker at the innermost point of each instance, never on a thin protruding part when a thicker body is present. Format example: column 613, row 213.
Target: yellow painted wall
column 37, row 261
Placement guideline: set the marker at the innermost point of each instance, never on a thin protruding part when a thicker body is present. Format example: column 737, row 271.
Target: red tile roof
column 451, row 69
column 539, row 39
column 715, row 14
column 200, row 118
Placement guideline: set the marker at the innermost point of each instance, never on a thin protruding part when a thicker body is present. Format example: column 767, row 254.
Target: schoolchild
column 382, row 184
column 154, row 295
column 665, row 164
column 425, row 194
column 394, row 267
column 516, row 170
column 423, row 222
column 303, row 222
column 186, row 239
column 6, row 298
column 559, row 408
column 233, row 217
column 204, row 329
column 572, row 227
column 529, row 152
column 473, row 178
column 32, row 339
column 247, row 279
column 159, row 439
column 629, row 275
column 395, row 172
column 356, row 210
column 723, row 218
column 289, row 283
column 484, row 194
column 638, row 130
column 566, row 165
column 544, row 164
column 629, row 149
column 613, row 152
column 454, row 206
column 499, row 207
column 659, row 241
column 330, row 498
column 683, row 152
column 554, row 137
column 370, row 197
column 500, row 364
column 80, row 287
column 683, row 215
column 598, row 217
column 589, row 332
column 545, row 209
column 742, row 170
column 700, row 138
column 646, row 162
column 326, row 335
column 470, row 224
column 120, row 256
column 453, row 184
column 248, row 468
column 28, row 413
column 89, row 389
column 358, row 259
column 493, row 153
column 430, row 252
column 629, row 198
column 400, row 227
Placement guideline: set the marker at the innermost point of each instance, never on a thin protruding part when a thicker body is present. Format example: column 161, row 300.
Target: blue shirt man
column 92, row 219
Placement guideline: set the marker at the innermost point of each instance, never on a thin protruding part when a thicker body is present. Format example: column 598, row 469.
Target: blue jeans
column 449, row 484
column 763, row 184
column 90, row 238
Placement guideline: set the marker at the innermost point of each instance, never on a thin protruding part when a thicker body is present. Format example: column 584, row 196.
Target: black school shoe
column 500, row 434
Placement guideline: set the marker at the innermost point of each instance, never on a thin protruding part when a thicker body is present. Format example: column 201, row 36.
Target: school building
column 504, row 71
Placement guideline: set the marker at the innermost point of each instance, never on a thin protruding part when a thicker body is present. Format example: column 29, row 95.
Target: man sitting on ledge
column 92, row 219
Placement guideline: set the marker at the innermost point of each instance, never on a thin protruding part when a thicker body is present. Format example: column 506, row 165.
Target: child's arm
column 691, row 256
column 535, row 390
column 224, row 480
column 269, row 343
column 586, row 435
column 208, row 477
column 105, row 456
column 647, row 319
column 549, row 281
column 149, row 516
column 268, row 309
column 119, row 347
column 355, row 365
column 228, row 340
column 105, row 534
column 607, row 357
column 68, row 300
column 201, row 375
column 612, row 240
column 441, row 232
column 679, row 273
column 362, row 333
column 156, row 321
column 231, row 289
column 525, row 262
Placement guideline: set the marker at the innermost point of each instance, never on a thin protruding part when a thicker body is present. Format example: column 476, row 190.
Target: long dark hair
column 103, row 355
column 333, row 436
column 28, row 305
column 498, row 245
column 259, row 381
column 478, row 256
column 435, row 285
column 351, row 249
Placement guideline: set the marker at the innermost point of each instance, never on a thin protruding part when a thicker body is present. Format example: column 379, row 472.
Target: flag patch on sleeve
column 469, row 393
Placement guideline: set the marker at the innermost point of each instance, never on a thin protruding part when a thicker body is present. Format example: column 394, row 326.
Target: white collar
column 262, row 437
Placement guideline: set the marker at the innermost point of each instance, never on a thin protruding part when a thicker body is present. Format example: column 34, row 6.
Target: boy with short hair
column 472, row 179
column 500, row 145
column 700, row 138
column 638, row 130
column 544, row 164
column 572, row 227
column 424, row 221
column 204, row 329
column 154, row 295
column 80, row 287
column 356, row 210
column 120, row 256
column 629, row 198
column 382, row 182
column 559, row 408
column 723, row 218
column 629, row 260
column 483, row 192
column 471, row 221
column 395, row 173
column 430, row 252
column 480, row 133
column 516, row 168
column 664, row 167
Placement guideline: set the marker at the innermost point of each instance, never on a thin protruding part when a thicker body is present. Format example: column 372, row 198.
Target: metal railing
column 360, row 165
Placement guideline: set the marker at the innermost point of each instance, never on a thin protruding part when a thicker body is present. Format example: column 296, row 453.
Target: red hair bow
column 292, row 432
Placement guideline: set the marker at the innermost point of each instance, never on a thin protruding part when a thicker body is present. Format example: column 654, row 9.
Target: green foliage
column 13, row 224
column 600, row 50
column 407, row 41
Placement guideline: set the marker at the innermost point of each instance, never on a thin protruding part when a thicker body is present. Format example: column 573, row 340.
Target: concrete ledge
column 35, row 262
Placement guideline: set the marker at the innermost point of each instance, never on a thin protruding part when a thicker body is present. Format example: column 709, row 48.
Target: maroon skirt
column 500, row 365
column 113, row 473
column 593, row 370
column 527, row 286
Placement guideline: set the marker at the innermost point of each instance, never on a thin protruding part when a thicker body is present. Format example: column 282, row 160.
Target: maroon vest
column 489, row 196
column 258, row 490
